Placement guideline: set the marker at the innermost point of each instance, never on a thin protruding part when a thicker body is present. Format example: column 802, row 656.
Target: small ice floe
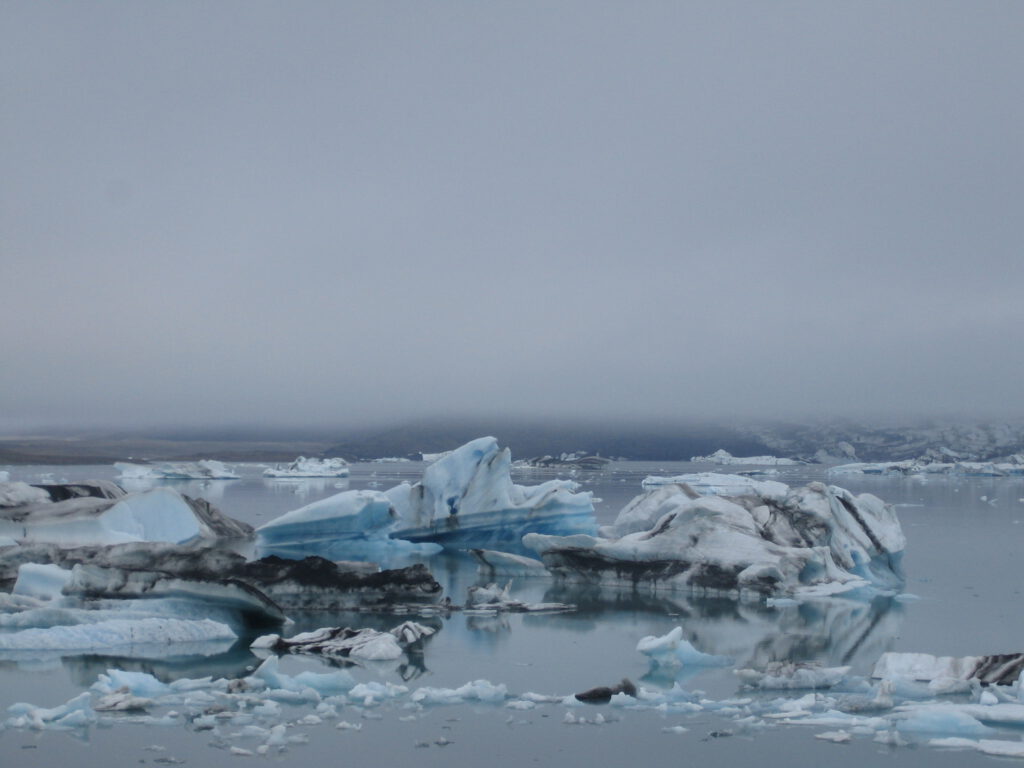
column 365, row 644
column 494, row 564
column 303, row 467
column 993, row 669
column 995, row 747
column 722, row 456
column 205, row 469
column 787, row 675
column 941, row 717
column 492, row 599
column 671, row 650
column 836, row 737
column 76, row 713
column 477, row 690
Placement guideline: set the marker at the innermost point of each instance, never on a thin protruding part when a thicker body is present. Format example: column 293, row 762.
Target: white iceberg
column 303, row 467
column 722, row 456
column 468, row 500
column 205, row 469
column 672, row 650
column 818, row 538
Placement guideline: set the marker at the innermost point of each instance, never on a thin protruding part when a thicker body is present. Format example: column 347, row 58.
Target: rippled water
column 965, row 536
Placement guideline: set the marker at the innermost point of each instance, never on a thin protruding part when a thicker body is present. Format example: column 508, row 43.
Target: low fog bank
column 878, row 439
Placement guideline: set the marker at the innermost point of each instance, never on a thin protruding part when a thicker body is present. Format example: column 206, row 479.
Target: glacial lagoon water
column 965, row 538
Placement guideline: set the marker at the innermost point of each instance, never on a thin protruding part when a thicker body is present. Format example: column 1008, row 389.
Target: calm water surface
column 964, row 539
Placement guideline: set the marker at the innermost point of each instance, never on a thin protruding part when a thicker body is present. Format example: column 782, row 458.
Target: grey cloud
column 251, row 211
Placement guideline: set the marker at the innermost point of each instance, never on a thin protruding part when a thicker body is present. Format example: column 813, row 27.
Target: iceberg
column 468, row 500
column 789, row 675
column 920, row 467
column 364, row 644
column 350, row 524
column 20, row 494
column 672, row 650
column 576, row 460
column 722, row 456
column 491, row 599
column 997, row 669
column 809, row 541
column 303, row 467
column 114, row 633
column 714, row 484
column 205, row 469
column 70, row 515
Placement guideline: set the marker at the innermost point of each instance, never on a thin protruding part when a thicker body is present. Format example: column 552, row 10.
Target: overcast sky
column 332, row 212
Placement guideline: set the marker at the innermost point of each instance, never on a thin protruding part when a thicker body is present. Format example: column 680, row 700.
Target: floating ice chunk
column 672, row 650
column 493, row 599
column 373, row 691
column 998, row 669
column 75, row 713
column 787, row 675
column 324, row 683
column 41, row 581
column 121, row 701
column 350, row 523
column 817, row 536
column 996, row 747
column 722, row 456
column 713, row 484
column 836, row 737
column 478, row 690
column 161, row 514
column 303, row 467
column 494, row 564
column 365, row 644
column 939, row 718
column 205, row 469
column 139, row 684
column 20, row 494
column 467, row 500
column 115, row 633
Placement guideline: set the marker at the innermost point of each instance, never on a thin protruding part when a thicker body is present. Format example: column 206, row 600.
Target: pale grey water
column 961, row 563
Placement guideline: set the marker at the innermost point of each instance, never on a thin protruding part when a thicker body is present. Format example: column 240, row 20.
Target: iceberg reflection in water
column 503, row 682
